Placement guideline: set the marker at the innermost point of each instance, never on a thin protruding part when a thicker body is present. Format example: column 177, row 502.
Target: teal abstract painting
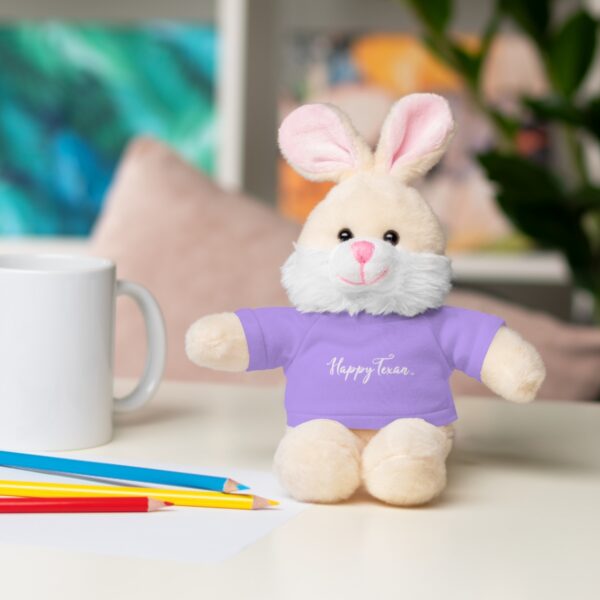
column 71, row 97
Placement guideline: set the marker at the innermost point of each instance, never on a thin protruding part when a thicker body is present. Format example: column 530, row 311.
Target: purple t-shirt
column 365, row 371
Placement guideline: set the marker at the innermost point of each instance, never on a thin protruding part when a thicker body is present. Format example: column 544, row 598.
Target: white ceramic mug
column 57, row 319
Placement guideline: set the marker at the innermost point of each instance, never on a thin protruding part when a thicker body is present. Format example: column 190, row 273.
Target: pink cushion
column 197, row 248
column 202, row 250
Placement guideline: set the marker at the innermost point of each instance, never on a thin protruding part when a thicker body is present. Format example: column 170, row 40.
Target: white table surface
column 520, row 518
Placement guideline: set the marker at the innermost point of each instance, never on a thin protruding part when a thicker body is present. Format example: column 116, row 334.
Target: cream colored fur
column 370, row 204
column 404, row 462
column 414, row 281
column 419, row 273
column 410, row 170
column 319, row 461
column 218, row 342
column 512, row 367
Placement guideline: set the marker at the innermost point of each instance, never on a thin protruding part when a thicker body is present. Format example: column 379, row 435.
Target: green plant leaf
column 489, row 33
column 438, row 47
column 467, row 64
column 586, row 198
column 470, row 63
column 507, row 124
column 571, row 52
column 522, row 178
column 591, row 225
column 555, row 109
column 441, row 48
column 435, row 14
column 567, row 112
column 533, row 16
column 591, row 117
column 537, row 204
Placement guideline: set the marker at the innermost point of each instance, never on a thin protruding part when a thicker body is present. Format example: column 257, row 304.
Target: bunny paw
column 218, row 342
column 319, row 461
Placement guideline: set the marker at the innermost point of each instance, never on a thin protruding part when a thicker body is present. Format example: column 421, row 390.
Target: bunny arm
column 512, row 367
column 218, row 342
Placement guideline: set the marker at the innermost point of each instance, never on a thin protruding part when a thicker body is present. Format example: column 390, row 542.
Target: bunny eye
column 345, row 234
column 392, row 237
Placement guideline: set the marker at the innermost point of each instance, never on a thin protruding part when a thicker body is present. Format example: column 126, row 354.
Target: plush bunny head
column 372, row 244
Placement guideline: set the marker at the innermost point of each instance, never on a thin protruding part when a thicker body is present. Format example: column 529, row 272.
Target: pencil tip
column 157, row 504
column 258, row 502
column 233, row 486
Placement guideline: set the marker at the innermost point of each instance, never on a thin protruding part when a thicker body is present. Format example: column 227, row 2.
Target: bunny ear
column 320, row 142
column 415, row 134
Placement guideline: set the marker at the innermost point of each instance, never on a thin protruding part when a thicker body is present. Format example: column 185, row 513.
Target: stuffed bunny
column 369, row 346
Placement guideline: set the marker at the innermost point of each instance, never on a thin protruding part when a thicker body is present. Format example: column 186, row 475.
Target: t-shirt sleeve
column 464, row 337
column 273, row 335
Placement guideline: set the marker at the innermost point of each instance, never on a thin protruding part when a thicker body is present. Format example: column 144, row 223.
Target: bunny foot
column 319, row 461
column 405, row 462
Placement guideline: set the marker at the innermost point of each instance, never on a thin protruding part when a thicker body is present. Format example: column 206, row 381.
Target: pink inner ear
column 314, row 139
column 419, row 125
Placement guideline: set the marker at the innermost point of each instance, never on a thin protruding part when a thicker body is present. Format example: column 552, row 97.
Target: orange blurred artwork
column 401, row 64
column 297, row 195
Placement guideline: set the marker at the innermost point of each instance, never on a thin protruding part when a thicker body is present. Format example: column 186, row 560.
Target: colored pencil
column 199, row 498
column 80, row 505
column 116, row 471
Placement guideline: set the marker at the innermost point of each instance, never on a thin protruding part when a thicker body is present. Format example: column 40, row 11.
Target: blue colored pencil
column 124, row 472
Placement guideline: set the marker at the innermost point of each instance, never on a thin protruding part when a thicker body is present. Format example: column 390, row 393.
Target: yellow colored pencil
column 200, row 498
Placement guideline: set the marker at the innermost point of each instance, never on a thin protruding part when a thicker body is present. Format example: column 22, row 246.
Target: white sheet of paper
column 198, row 535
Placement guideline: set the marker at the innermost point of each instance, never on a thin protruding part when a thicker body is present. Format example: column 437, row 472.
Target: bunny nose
column 362, row 251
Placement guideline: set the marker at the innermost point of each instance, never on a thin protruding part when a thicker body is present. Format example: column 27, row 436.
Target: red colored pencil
column 80, row 505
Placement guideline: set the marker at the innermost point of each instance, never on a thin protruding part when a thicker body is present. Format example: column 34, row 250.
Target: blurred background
column 203, row 86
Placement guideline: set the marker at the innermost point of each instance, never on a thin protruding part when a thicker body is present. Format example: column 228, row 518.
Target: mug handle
column 157, row 346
